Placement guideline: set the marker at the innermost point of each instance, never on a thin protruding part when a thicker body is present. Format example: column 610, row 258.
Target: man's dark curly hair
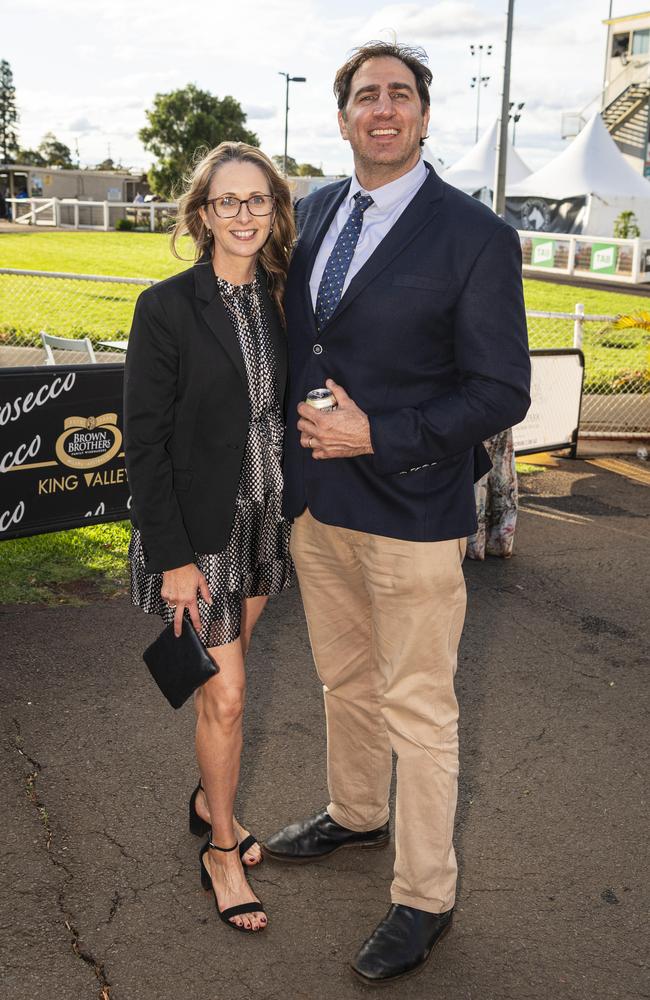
column 411, row 55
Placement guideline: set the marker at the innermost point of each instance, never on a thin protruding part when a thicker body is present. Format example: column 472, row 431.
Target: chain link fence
column 65, row 305
column 617, row 362
column 616, row 400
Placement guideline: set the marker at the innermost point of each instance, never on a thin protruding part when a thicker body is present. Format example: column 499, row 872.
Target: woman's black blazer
column 186, row 415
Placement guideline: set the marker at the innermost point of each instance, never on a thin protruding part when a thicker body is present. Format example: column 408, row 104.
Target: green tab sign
column 543, row 253
column 604, row 258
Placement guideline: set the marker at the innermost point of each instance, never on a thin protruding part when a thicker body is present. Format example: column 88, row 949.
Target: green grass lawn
column 125, row 255
column 104, row 311
column 547, row 297
column 65, row 566
column 148, row 255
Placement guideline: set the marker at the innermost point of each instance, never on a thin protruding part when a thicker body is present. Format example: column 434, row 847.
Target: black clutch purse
column 179, row 665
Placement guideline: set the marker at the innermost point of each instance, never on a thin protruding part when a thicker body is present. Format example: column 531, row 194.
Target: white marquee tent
column 593, row 173
column 474, row 171
column 430, row 157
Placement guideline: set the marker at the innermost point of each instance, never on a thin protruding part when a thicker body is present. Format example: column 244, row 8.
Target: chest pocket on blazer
column 437, row 284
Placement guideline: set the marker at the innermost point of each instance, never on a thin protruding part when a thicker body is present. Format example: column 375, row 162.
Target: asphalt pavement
column 100, row 892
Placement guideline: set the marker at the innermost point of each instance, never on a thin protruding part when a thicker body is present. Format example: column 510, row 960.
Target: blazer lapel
column 418, row 214
column 215, row 315
column 330, row 208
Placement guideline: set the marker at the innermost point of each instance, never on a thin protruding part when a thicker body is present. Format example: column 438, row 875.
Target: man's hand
column 179, row 591
column 343, row 433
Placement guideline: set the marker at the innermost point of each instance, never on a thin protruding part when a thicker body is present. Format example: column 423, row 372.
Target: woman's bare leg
column 252, row 608
column 220, row 706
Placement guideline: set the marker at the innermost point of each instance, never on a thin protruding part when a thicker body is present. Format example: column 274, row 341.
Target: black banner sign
column 61, row 448
column 545, row 215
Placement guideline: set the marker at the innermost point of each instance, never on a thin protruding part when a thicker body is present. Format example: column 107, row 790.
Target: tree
column 54, row 152
column 626, row 227
column 309, row 170
column 180, row 123
column 8, row 113
column 295, row 169
column 292, row 166
column 107, row 164
column 30, row 157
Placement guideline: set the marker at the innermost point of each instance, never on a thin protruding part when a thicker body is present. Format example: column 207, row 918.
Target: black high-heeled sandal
column 200, row 827
column 232, row 911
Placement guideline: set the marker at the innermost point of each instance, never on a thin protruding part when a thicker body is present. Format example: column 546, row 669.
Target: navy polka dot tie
column 338, row 262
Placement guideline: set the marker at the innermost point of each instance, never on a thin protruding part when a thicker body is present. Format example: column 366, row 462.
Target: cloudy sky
column 88, row 72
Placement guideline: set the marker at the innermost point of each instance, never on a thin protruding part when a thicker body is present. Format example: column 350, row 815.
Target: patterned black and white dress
column 256, row 560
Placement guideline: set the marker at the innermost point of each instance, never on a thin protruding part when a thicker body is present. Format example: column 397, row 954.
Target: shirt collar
column 388, row 196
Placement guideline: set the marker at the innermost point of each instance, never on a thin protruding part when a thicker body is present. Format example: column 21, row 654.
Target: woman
column 496, row 502
column 204, row 383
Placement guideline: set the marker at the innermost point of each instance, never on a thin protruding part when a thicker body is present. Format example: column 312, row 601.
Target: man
column 405, row 298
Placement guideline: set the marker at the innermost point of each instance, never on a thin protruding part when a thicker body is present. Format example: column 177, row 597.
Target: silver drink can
column 322, row 399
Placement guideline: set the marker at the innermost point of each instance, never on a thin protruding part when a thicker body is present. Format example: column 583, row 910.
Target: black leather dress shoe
column 318, row 837
column 400, row 945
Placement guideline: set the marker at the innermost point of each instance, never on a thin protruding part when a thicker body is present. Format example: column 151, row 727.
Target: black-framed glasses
column 228, row 207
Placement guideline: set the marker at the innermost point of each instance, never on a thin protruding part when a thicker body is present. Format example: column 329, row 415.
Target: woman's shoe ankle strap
column 224, row 850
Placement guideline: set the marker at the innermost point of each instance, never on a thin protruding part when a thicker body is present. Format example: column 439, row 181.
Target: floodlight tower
column 514, row 115
column 479, row 80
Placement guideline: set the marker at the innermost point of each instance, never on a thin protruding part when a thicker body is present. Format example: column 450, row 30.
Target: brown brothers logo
column 87, row 442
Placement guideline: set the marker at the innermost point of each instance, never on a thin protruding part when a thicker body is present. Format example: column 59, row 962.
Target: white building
column 55, row 182
column 626, row 87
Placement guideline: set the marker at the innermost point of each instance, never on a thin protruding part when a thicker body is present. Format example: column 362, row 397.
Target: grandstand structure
column 625, row 100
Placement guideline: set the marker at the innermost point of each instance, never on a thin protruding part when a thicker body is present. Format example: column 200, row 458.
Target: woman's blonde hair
column 274, row 255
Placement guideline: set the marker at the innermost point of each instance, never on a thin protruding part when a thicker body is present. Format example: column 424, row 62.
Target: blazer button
column 317, row 349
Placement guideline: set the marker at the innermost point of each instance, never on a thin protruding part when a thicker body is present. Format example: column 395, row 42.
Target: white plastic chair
column 66, row 344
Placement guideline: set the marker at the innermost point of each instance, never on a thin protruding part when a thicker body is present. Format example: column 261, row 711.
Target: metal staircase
column 625, row 108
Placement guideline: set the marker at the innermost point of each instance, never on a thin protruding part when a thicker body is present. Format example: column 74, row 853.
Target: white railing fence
column 70, row 213
column 617, row 362
column 599, row 258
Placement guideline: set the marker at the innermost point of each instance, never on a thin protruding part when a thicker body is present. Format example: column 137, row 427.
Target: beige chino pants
column 385, row 618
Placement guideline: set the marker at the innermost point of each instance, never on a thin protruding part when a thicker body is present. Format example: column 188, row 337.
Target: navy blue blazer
column 430, row 341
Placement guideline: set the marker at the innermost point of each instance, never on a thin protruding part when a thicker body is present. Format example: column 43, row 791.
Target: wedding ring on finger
column 309, row 443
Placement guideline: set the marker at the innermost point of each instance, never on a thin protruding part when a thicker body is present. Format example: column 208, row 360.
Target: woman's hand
column 179, row 590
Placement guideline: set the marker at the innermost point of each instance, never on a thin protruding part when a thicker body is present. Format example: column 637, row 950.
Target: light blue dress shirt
column 390, row 200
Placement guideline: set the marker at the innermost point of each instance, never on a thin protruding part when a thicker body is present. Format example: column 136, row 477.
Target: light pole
column 479, row 81
column 514, row 116
column 289, row 79
column 499, row 195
